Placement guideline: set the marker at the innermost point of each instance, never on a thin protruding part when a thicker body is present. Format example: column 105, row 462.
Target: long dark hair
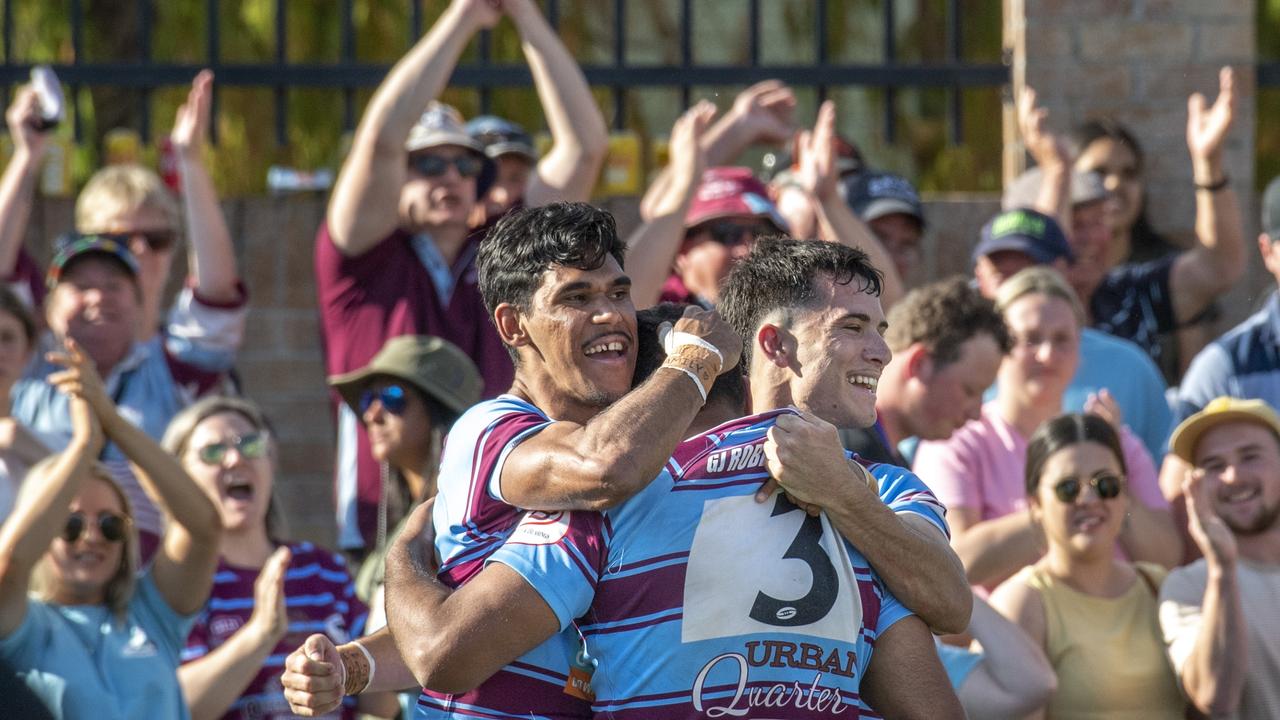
column 1144, row 242
column 1064, row 431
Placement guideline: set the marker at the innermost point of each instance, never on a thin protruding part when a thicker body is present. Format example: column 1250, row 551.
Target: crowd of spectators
column 1110, row 473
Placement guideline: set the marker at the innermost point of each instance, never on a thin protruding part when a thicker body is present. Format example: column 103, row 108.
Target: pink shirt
column 983, row 466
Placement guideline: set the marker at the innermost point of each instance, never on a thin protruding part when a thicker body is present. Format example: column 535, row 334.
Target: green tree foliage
column 246, row 121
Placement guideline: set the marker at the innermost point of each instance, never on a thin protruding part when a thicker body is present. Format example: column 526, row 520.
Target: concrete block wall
column 1138, row 61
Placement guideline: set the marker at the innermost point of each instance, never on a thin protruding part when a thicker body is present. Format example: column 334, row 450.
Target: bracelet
column 357, row 670
column 1214, row 186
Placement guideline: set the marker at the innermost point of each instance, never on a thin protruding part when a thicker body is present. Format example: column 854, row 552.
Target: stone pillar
column 1138, row 61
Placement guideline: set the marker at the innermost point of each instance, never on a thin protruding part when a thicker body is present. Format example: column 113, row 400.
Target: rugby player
column 693, row 599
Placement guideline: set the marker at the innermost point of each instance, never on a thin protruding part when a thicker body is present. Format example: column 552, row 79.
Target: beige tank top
column 1107, row 652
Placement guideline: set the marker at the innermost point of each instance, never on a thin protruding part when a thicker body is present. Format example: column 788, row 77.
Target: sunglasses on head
column 729, row 232
column 392, row 397
column 250, row 446
column 429, row 165
column 1107, row 486
column 110, row 526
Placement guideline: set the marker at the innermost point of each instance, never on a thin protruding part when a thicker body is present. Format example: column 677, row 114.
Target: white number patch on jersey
column 768, row 568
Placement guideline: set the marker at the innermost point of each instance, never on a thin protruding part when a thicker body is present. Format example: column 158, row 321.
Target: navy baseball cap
column 873, row 194
column 1024, row 231
column 500, row 136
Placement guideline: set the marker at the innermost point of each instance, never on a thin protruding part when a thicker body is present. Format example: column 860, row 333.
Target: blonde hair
column 1039, row 280
column 177, row 436
column 119, row 189
column 118, row 591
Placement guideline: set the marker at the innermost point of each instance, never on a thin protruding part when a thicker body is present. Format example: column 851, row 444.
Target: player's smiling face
column 839, row 355
column 581, row 332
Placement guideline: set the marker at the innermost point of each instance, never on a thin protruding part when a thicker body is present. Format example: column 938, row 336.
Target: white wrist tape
column 373, row 664
column 672, row 339
column 692, row 376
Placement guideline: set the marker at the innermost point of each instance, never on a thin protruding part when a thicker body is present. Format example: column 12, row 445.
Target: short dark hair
column 729, row 388
column 12, row 304
column 1064, row 431
column 942, row 316
column 528, row 241
column 782, row 273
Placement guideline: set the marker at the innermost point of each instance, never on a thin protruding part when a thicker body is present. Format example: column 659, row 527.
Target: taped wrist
column 358, row 667
column 700, row 364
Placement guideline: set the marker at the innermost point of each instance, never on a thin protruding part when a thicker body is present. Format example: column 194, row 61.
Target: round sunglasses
column 392, row 398
column 1107, row 487
column 111, row 527
column 250, row 446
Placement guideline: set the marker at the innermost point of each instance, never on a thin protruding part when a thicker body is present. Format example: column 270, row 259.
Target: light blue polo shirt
column 84, row 663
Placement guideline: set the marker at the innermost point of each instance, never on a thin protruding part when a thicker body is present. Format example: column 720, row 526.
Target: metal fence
column 349, row 75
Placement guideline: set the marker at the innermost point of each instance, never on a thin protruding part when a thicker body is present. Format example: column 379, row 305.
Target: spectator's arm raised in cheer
column 364, row 208
column 579, row 136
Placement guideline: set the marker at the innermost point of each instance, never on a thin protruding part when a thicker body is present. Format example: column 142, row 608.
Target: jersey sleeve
column 891, row 611
column 561, row 555
column 905, row 493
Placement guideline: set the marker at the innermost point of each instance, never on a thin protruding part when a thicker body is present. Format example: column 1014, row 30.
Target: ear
column 772, row 345
column 510, row 323
column 1270, row 258
column 918, row 362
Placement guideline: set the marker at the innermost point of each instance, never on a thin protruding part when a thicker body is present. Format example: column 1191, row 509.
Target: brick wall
column 1138, row 61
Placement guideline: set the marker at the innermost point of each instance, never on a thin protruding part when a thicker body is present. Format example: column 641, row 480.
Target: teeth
column 605, row 347
column 866, row 381
column 1240, row 495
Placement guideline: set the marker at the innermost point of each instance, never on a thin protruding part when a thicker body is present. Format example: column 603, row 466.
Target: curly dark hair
column 527, row 242
column 729, row 388
column 942, row 316
column 781, row 273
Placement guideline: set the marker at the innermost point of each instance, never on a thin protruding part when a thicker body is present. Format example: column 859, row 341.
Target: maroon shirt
column 384, row 293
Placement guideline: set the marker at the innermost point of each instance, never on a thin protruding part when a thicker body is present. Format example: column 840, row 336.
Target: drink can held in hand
column 49, row 96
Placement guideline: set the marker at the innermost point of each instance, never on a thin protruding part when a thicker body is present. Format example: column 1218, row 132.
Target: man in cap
column 96, row 300
column 395, row 255
column 890, row 206
column 1244, row 362
column 1015, row 240
column 730, row 210
column 577, row 150
column 1219, row 614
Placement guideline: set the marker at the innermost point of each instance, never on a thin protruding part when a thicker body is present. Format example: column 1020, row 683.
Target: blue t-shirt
column 84, row 663
column 695, row 600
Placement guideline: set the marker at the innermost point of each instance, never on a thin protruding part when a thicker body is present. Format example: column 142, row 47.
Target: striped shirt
column 320, row 597
column 696, row 601
column 472, row 520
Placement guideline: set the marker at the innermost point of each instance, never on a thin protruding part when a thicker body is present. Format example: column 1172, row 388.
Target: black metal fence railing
column 349, row 75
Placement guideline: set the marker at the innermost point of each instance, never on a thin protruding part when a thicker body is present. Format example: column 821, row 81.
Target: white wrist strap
column 672, row 339
column 696, row 382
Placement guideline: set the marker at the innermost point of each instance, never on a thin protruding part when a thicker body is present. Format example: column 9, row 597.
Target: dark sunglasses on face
column 1107, row 486
column 156, row 240
column 432, row 166
column 250, row 446
column 110, row 526
column 392, row 398
column 727, row 232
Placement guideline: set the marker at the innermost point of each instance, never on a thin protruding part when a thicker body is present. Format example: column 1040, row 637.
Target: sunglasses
column 728, row 232
column 111, row 526
column 157, row 240
column 432, row 166
column 392, row 397
column 1108, row 487
column 250, row 447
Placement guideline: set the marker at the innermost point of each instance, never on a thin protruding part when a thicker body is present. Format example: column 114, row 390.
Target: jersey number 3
column 764, row 567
